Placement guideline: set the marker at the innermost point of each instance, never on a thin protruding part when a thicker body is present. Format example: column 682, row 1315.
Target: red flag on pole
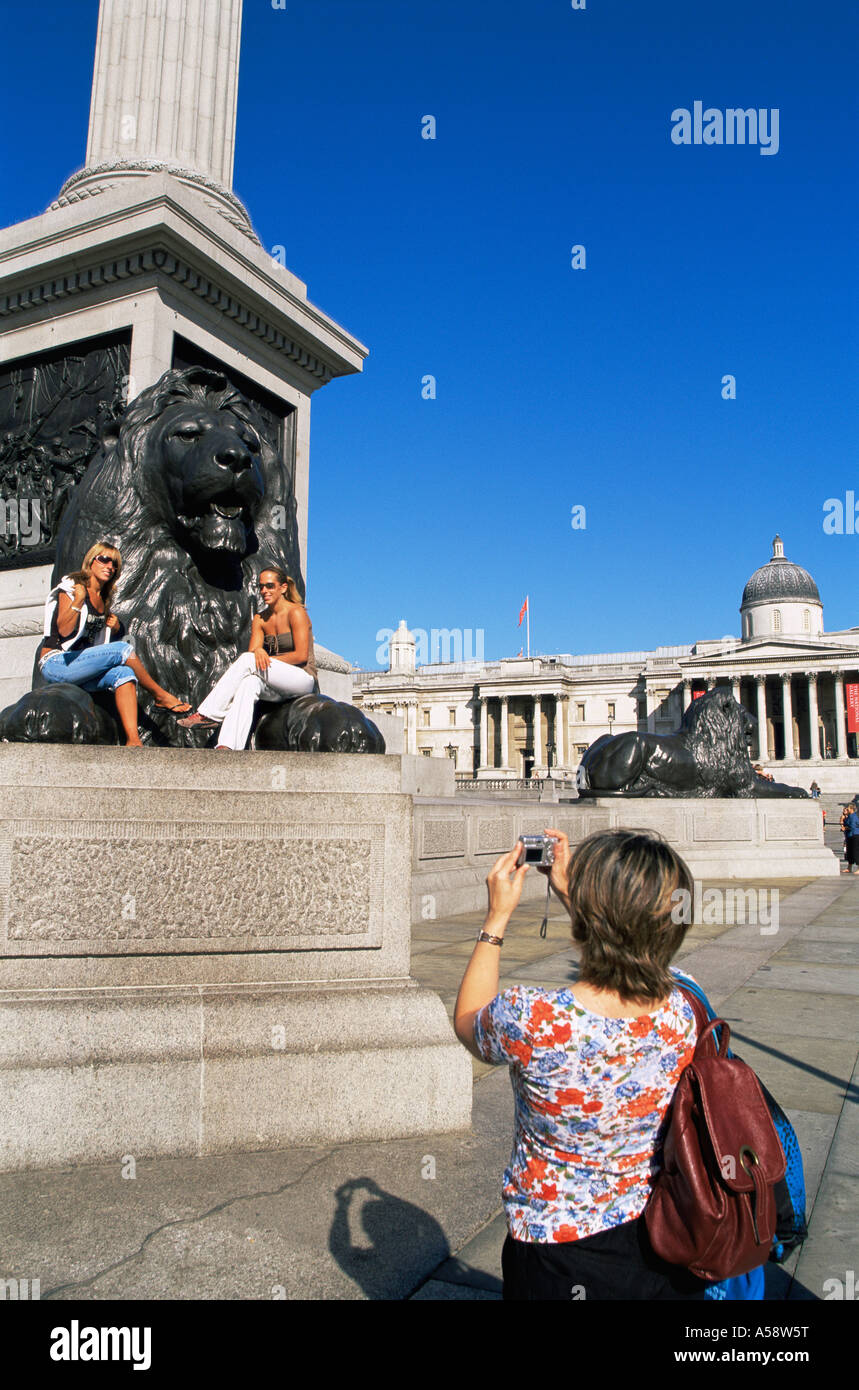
column 520, row 651
column 522, row 611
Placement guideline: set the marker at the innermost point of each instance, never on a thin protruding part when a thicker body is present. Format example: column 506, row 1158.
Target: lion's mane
column 714, row 733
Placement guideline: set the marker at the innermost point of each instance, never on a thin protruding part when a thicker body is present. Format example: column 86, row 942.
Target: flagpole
column 528, row 623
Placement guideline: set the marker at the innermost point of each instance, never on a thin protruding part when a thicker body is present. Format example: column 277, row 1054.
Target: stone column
column 787, row 715
column 560, row 732
column 685, row 695
column 840, row 740
column 813, row 715
column 484, row 731
column 735, row 689
column 538, row 732
column 505, row 748
column 165, row 84
column 413, row 726
column 761, row 688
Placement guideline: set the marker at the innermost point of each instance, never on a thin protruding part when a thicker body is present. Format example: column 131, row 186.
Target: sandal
column 198, row 721
column 181, row 707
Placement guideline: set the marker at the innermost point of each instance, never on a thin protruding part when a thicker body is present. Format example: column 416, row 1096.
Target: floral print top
column 591, row 1095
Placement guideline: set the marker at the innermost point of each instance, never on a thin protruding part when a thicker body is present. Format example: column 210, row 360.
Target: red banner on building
column 851, row 692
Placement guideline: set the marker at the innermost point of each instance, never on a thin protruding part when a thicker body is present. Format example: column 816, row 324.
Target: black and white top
column 91, row 631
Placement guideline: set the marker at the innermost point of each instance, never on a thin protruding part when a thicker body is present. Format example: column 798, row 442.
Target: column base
column 91, row 1076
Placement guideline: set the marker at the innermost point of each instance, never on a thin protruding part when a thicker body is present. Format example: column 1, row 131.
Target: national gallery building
column 532, row 717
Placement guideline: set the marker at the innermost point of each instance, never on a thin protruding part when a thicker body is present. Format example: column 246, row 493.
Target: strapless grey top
column 283, row 642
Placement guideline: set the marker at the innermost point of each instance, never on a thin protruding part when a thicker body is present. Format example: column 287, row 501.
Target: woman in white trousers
column 279, row 664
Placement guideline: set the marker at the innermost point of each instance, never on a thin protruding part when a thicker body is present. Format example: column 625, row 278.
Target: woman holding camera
column 279, row 664
column 593, row 1068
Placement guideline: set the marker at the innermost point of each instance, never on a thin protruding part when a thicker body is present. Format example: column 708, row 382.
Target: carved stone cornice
column 163, row 262
column 85, row 184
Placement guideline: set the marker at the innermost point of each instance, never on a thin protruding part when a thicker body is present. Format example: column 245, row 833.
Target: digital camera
column 536, row 849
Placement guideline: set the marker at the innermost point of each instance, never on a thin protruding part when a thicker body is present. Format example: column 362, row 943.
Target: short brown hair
column 623, row 887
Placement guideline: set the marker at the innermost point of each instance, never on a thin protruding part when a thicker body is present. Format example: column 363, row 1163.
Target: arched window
column 776, row 620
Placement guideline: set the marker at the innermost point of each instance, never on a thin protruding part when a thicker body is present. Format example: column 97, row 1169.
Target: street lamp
column 450, row 750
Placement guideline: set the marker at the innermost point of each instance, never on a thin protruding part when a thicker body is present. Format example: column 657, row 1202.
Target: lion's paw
column 318, row 724
column 61, row 713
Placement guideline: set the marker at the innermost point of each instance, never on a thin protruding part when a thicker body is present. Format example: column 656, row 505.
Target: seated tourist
column 78, row 648
column 279, row 664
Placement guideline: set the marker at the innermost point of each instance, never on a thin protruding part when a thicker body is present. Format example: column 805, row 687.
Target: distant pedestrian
column 851, row 838
column 843, row 825
column 815, row 791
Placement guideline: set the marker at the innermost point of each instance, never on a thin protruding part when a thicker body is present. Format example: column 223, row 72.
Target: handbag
column 712, row 1208
column 791, row 1227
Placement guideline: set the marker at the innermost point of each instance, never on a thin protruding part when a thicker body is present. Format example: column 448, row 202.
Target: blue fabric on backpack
column 791, row 1215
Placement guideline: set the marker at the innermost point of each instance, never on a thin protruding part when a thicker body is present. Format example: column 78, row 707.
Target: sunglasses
column 105, row 560
column 267, row 586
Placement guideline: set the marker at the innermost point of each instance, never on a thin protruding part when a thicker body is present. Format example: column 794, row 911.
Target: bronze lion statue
column 709, row 756
column 199, row 502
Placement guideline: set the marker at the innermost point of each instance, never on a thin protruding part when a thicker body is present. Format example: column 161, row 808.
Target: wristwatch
column 492, row 940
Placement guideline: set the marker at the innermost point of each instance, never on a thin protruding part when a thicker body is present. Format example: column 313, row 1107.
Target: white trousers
column 232, row 700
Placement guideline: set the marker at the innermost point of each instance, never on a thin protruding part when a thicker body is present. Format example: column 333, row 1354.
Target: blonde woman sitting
column 77, row 646
column 279, row 664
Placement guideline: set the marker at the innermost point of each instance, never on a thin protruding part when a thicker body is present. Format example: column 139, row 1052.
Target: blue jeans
column 95, row 668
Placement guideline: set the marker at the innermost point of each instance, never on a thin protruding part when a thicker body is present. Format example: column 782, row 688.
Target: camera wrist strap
column 545, row 922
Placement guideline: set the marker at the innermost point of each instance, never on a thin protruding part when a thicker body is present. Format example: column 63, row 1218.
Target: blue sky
column 555, row 387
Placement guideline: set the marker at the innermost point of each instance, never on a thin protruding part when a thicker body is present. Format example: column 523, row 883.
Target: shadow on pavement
column 401, row 1242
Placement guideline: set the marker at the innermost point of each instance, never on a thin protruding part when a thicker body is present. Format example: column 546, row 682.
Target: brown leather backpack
column 712, row 1208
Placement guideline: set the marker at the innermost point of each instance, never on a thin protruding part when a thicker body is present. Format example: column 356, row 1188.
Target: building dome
column 780, row 580
column 781, row 598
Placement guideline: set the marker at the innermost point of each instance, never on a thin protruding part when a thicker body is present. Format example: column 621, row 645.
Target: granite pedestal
column 204, row 952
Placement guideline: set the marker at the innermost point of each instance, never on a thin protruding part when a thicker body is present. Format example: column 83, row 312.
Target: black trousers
column 616, row 1264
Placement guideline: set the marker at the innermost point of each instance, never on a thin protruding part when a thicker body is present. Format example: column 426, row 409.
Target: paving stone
column 758, row 1012
column 720, row 969
column 818, row 979
column 820, row 931
column 819, row 952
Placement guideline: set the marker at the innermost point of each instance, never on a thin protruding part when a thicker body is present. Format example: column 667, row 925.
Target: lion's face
column 207, row 463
